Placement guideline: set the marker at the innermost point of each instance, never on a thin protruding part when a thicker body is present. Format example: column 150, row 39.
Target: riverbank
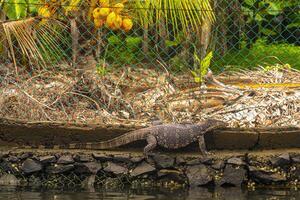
column 70, row 169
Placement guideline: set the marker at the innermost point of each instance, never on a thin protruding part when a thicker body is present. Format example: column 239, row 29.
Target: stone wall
column 53, row 169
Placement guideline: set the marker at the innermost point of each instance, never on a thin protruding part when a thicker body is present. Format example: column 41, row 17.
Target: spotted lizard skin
column 170, row 136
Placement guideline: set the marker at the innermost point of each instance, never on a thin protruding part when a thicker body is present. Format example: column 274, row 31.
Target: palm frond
column 36, row 40
column 182, row 14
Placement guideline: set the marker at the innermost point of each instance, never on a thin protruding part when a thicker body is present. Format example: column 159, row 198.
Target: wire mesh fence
column 126, row 41
column 234, row 30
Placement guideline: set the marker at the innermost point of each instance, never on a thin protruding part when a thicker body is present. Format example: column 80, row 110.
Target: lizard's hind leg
column 152, row 143
column 202, row 145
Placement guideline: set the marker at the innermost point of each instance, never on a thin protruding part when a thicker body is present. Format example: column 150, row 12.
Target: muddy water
column 148, row 194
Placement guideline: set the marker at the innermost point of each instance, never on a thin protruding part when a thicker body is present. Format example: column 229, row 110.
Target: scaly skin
column 170, row 136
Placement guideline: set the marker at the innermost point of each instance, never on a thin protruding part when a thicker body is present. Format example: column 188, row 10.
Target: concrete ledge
column 232, row 139
column 255, row 138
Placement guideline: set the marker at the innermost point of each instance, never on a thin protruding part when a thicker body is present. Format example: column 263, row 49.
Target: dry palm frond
column 35, row 40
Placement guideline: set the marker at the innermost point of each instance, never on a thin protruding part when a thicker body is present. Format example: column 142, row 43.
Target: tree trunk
column 4, row 52
column 204, row 35
column 220, row 40
column 252, row 28
column 234, row 26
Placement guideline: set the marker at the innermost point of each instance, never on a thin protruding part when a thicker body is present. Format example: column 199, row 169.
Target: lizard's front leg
column 152, row 143
column 202, row 145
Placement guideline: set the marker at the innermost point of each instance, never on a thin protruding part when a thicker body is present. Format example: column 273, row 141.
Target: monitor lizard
column 170, row 136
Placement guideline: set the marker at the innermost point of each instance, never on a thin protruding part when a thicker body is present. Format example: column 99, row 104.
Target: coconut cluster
column 111, row 16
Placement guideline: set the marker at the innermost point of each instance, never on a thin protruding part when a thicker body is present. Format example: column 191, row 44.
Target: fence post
column 99, row 43
column 163, row 36
column 146, row 39
column 75, row 38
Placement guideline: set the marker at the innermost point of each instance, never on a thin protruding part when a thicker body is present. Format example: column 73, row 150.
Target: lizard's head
column 216, row 123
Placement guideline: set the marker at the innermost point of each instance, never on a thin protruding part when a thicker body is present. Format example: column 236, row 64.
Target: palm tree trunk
column 3, row 42
column 204, row 35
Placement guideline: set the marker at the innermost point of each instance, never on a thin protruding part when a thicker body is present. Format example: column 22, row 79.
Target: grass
column 260, row 54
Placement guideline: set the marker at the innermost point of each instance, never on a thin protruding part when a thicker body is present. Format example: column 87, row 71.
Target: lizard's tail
column 115, row 142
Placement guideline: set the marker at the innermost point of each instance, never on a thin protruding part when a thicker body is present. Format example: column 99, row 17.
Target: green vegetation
column 264, row 12
column 260, row 54
column 202, row 67
column 158, row 34
column 184, row 15
column 123, row 51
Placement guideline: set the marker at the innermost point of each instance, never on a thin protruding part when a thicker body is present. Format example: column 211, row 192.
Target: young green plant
column 202, row 67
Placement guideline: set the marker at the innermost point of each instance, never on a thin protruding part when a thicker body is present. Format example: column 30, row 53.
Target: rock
column 25, row 155
column 233, row 176
column 172, row 175
column 163, row 161
column 122, row 158
column 88, row 168
column 83, row 158
column 59, row 169
column 196, row 161
column 47, row 159
column 296, row 159
column 207, row 161
column 180, row 160
column 142, row 168
column 137, row 159
column 31, row 166
column 4, row 154
column 198, row 175
column 115, row 168
column 218, row 165
column 265, row 176
column 101, row 157
column 9, row 180
column 236, row 161
column 166, row 172
column 13, row 159
column 65, row 159
column 281, row 160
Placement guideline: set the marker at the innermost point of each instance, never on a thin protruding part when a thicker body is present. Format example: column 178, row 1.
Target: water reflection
column 148, row 194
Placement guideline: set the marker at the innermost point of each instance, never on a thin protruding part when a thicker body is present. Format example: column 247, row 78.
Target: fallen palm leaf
column 35, row 41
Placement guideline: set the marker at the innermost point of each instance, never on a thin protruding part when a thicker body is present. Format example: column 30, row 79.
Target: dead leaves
column 136, row 96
